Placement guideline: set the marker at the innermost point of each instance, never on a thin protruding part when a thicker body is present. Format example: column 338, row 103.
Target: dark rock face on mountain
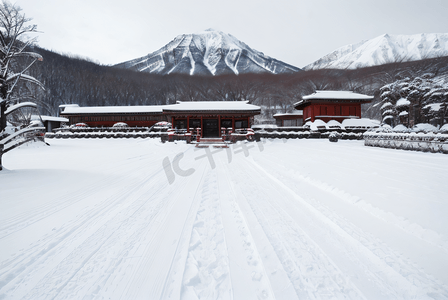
column 208, row 53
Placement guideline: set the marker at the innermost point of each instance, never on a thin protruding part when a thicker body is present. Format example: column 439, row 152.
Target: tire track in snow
column 413, row 229
column 248, row 273
column 391, row 274
column 17, row 222
column 168, row 272
column 21, row 267
column 407, row 243
column 292, row 175
column 312, row 274
column 205, row 255
column 206, row 274
column 75, row 274
column 24, row 268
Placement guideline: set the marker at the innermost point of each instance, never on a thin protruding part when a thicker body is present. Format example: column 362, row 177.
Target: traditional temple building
column 289, row 119
column 107, row 116
column 332, row 105
column 211, row 116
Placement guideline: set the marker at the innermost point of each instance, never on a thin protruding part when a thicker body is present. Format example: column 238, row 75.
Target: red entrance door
column 210, row 128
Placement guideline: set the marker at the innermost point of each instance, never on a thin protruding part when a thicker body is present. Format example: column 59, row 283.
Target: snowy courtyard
column 283, row 219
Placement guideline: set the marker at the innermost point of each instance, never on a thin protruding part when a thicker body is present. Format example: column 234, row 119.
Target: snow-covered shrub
column 324, row 135
column 423, row 137
column 334, row 137
column 401, row 128
column 120, row 125
column 318, row 125
column 333, row 124
column 424, row 127
column 360, row 124
column 382, row 128
column 444, row 129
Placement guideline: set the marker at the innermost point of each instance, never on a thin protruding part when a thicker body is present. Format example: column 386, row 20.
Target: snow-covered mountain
column 207, row 53
column 385, row 49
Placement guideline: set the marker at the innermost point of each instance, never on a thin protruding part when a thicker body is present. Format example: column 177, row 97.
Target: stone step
column 200, row 145
column 211, row 140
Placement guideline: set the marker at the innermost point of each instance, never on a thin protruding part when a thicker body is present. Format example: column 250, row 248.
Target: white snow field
column 291, row 219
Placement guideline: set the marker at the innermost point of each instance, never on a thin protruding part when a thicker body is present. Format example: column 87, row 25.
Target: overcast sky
column 297, row 32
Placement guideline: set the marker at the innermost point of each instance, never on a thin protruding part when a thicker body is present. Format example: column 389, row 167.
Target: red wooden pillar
column 172, row 122
column 233, row 123
column 219, row 125
column 202, row 126
column 188, row 123
column 312, row 113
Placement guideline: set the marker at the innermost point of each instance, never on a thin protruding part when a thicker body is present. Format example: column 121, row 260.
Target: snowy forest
column 70, row 79
column 408, row 101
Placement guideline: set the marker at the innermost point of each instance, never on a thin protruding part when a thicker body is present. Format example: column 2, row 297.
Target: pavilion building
column 211, row 116
column 332, row 105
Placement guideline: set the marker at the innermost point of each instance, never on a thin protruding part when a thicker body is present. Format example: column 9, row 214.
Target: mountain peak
column 210, row 52
column 385, row 49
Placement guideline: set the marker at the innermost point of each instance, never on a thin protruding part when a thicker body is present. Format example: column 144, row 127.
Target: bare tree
column 15, row 61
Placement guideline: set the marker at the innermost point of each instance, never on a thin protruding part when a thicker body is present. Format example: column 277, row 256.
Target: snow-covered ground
column 295, row 219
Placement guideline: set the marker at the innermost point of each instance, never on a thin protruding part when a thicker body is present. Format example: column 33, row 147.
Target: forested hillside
column 75, row 80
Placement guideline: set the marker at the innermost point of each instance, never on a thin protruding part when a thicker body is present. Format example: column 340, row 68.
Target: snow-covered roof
column 211, row 106
column 113, row 109
column 295, row 113
column 48, row 118
column 337, row 95
column 67, row 105
column 179, row 106
column 54, row 119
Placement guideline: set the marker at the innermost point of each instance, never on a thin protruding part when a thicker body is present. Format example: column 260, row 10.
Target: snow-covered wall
column 427, row 142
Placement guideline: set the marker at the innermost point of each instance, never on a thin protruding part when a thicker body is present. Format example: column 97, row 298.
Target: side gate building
column 332, row 105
